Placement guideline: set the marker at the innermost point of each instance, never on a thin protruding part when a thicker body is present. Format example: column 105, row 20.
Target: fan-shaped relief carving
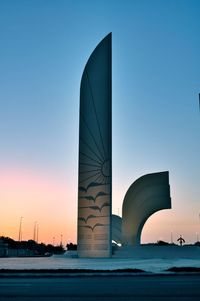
column 93, row 145
column 93, row 158
column 95, row 173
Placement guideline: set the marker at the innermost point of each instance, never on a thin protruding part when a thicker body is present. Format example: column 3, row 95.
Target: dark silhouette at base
column 181, row 240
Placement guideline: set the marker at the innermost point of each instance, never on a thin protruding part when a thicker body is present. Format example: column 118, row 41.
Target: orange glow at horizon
column 38, row 198
column 168, row 225
column 51, row 201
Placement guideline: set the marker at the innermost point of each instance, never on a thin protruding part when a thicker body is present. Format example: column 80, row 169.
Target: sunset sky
column 44, row 46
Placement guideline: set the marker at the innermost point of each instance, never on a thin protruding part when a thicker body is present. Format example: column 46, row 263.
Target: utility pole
column 34, row 231
column 53, row 241
column 20, row 229
column 172, row 238
column 61, row 236
column 37, row 232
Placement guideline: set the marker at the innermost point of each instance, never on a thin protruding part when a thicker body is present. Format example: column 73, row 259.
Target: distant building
column 7, row 251
column 3, row 249
column 20, row 253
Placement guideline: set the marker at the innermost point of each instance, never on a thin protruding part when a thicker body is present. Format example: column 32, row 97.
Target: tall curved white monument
column 95, row 172
column 146, row 195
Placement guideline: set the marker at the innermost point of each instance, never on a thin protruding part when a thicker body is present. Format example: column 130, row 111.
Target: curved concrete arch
column 117, row 228
column 147, row 195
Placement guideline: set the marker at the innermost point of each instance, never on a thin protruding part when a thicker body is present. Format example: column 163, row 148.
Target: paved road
column 127, row 288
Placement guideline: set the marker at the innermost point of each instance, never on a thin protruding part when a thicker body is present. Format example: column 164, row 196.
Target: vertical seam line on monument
column 91, row 149
column 95, row 112
column 82, row 117
column 81, row 153
column 110, row 135
column 199, row 101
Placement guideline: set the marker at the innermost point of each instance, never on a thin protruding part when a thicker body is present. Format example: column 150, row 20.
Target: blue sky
column 156, row 80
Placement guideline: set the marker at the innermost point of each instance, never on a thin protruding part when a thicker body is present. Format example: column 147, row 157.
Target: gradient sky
column 44, row 46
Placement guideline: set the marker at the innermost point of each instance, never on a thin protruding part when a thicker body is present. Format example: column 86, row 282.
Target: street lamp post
column 20, row 229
